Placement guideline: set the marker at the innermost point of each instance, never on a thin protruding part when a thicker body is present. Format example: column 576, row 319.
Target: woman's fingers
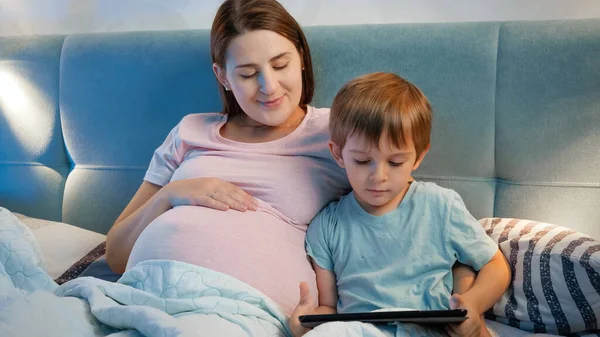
column 212, row 193
column 229, row 200
column 242, row 197
column 207, row 201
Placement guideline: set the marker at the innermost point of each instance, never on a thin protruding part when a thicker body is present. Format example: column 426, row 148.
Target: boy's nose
column 378, row 173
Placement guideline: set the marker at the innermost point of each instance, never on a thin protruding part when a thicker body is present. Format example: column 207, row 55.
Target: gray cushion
column 555, row 284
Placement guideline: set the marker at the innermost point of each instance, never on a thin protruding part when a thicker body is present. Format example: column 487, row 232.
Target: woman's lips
column 272, row 103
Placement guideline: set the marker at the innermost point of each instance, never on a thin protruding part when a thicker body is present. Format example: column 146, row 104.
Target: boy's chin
column 375, row 202
column 379, row 204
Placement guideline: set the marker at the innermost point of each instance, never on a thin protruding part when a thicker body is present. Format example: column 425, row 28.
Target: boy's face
column 379, row 175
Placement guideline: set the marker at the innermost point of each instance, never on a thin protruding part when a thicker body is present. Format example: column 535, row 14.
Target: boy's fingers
column 451, row 332
column 456, row 302
column 305, row 298
column 305, row 305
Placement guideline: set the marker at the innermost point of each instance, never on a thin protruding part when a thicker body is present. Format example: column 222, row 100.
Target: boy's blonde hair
column 378, row 103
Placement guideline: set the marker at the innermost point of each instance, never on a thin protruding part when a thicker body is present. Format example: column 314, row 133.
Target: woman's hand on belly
column 208, row 192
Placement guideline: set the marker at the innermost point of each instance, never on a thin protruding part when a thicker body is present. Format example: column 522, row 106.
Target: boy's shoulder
column 334, row 210
column 431, row 188
column 432, row 192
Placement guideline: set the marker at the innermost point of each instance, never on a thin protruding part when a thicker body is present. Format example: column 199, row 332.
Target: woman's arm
column 145, row 206
column 150, row 201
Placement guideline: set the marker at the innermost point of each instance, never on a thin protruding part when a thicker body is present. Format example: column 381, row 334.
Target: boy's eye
column 395, row 164
column 361, row 162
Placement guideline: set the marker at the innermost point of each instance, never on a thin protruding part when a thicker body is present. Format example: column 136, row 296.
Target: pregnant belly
column 257, row 248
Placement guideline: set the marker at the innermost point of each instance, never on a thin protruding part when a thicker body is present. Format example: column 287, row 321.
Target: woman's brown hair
column 236, row 17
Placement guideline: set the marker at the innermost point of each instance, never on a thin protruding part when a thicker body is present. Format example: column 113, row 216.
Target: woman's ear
column 337, row 153
column 220, row 74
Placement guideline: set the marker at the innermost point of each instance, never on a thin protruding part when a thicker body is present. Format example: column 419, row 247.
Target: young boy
column 392, row 242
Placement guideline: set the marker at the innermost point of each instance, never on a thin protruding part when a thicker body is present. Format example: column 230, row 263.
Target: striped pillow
column 556, row 277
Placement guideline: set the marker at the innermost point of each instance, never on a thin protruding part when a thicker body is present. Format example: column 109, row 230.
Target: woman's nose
column 268, row 83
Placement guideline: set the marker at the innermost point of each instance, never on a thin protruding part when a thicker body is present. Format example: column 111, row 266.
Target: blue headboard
column 516, row 111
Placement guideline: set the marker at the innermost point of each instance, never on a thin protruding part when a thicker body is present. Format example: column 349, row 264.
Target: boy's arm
column 491, row 282
column 327, row 287
column 463, row 278
column 477, row 294
column 471, row 243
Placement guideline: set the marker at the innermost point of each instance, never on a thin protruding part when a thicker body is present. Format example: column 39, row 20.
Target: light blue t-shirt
column 402, row 259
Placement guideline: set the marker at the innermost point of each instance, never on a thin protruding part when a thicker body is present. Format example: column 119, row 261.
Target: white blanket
column 155, row 298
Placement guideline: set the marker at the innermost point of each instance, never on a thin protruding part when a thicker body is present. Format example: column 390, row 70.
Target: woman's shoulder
column 319, row 114
column 319, row 111
column 201, row 118
column 198, row 123
column 318, row 121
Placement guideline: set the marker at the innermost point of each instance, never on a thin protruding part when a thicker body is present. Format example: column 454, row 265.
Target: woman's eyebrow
column 254, row 65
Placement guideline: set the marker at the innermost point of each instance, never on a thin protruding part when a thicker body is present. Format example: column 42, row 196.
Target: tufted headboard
column 516, row 112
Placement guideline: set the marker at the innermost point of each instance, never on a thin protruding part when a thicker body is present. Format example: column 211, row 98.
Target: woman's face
column 263, row 70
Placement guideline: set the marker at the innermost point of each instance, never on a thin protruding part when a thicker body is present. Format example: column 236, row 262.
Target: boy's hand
column 472, row 327
column 305, row 307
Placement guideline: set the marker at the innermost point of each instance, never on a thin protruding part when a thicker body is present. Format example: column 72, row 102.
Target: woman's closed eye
column 280, row 66
column 254, row 74
column 249, row 75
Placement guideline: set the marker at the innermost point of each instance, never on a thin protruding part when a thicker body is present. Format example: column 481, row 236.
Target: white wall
column 78, row 16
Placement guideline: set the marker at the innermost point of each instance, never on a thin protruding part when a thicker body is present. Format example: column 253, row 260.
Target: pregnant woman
column 234, row 190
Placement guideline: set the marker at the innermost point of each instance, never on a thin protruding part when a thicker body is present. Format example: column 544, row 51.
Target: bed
column 517, row 109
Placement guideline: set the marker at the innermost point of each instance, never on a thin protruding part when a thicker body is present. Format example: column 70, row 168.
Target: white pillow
column 556, row 277
column 62, row 245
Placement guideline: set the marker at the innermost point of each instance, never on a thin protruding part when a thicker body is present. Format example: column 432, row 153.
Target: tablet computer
column 389, row 316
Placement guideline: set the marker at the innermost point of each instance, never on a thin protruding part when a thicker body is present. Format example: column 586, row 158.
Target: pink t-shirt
column 292, row 178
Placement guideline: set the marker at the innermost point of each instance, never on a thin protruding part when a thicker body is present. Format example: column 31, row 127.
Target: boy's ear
column 337, row 153
column 420, row 159
column 220, row 73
